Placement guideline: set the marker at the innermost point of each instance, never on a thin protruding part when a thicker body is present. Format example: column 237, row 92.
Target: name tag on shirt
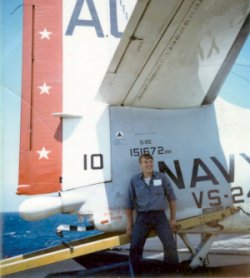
column 157, row 182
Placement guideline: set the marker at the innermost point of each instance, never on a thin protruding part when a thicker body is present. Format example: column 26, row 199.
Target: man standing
column 148, row 192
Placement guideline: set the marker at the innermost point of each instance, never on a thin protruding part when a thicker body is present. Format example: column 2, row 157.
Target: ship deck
column 114, row 263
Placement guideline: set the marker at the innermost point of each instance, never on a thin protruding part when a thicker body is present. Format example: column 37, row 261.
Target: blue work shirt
column 150, row 197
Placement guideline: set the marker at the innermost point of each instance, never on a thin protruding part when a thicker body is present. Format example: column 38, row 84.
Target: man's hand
column 129, row 230
column 172, row 223
column 129, row 215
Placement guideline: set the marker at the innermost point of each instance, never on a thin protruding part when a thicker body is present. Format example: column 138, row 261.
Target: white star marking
column 45, row 34
column 44, row 89
column 43, row 153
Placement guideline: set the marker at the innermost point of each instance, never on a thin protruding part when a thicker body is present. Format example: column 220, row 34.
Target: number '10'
column 93, row 161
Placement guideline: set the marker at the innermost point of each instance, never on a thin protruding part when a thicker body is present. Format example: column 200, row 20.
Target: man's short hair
column 146, row 156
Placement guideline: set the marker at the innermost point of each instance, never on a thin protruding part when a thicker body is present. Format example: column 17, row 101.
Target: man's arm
column 171, row 200
column 172, row 207
column 129, row 214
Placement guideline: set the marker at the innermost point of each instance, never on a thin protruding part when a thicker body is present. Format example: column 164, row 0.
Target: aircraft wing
column 175, row 54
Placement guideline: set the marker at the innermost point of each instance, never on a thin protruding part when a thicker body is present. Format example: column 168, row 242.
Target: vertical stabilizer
column 40, row 145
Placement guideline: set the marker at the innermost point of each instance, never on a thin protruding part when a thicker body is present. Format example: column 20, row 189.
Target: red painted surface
column 42, row 63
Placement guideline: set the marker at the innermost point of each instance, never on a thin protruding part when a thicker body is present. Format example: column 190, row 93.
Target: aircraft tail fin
column 40, row 142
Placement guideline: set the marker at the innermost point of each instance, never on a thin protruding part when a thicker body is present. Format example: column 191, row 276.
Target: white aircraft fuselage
column 198, row 149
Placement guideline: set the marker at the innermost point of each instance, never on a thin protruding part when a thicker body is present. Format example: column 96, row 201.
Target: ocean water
column 21, row 237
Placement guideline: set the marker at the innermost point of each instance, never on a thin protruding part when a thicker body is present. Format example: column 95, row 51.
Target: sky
column 236, row 90
column 10, row 94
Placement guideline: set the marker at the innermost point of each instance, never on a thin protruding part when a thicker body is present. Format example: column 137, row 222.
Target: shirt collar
column 153, row 176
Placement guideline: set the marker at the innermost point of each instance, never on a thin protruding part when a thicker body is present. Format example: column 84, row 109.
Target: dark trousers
column 145, row 221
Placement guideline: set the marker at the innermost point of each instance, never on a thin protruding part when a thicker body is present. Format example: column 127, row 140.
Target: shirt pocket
column 157, row 190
